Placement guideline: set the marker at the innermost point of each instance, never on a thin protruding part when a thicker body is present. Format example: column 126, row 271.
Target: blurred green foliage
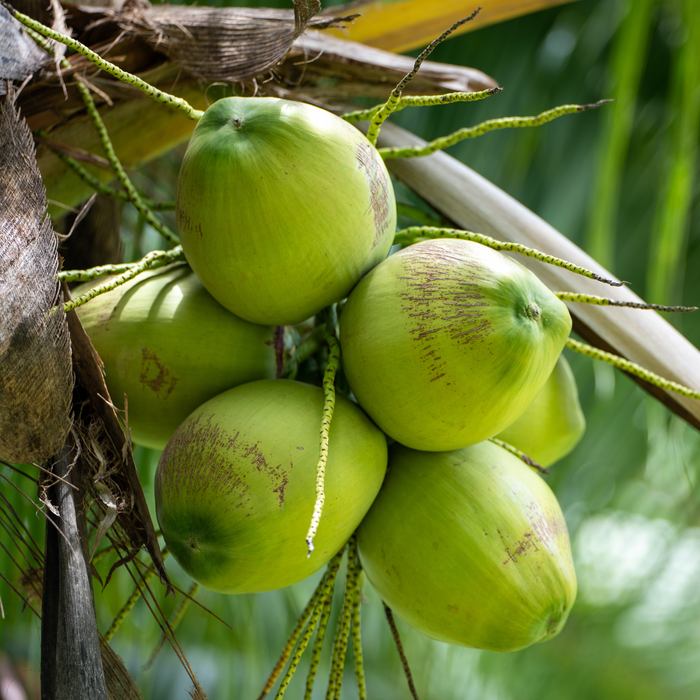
column 622, row 182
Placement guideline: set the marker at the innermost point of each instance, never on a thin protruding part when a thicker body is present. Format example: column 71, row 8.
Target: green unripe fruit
column 170, row 346
column 469, row 547
column 447, row 342
column 281, row 207
column 553, row 423
column 235, row 486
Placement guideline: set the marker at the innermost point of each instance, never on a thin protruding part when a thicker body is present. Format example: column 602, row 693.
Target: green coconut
column 170, row 346
column 447, row 342
column 470, row 547
column 553, row 423
column 281, row 207
column 235, row 486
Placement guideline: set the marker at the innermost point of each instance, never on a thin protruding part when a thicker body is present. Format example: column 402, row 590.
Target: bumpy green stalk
column 318, row 647
column 402, row 654
column 131, row 601
column 421, row 101
column 604, row 301
column 293, row 638
column 101, row 188
column 392, row 103
column 357, row 634
column 631, row 367
column 328, row 408
column 471, row 132
column 340, row 646
column 119, row 171
column 326, row 594
column 520, row 455
column 106, row 66
column 409, row 235
column 155, row 259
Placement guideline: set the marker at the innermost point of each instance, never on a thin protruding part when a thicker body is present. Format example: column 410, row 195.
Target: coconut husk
column 36, row 380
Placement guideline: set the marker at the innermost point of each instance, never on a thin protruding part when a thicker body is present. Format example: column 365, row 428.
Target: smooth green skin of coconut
column 235, row 487
column 442, row 344
column 170, row 346
column 470, row 547
column 553, row 423
column 281, row 207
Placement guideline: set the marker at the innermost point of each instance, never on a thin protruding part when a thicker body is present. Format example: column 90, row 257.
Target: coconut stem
column 520, row 455
column 318, row 647
column 399, row 648
column 119, row 171
column 357, row 634
column 410, row 234
column 100, row 187
column 631, row 367
column 470, row 132
column 154, row 259
column 604, row 301
column 294, row 637
column 306, row 348
column 422, row 101
column 335, row 681
column 174, row 621
column 106, row 66
column 131, row 601
column 391, row 104
column 328, row 408
column 326, row 595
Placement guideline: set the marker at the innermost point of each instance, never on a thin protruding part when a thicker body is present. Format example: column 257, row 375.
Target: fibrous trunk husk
column 36, row 380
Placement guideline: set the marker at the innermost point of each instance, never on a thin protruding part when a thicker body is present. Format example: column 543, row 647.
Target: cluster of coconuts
column 284, row 209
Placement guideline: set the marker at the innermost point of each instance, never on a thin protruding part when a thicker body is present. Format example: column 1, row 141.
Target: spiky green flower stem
column 340, row 645
column 106, row 66
column 422, row 101
column 328, row 408
column 390, row 106
column 604, row 301
column 399, row 648
column 119, row 171
column 155, row 259
column 357, row 634
column 326, row 595
column 520, row 455
column 100, row 187
column 470, row 132
column 174, row 621
column 131, row 601
column 631, row 367
column 294, row 637
column 318, row 647
column 411, row 234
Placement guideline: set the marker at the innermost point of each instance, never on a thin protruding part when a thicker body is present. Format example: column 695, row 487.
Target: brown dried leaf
column 223, row 44
column 36, row 380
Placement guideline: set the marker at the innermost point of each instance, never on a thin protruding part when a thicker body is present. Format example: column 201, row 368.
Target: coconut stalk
column 475, row 204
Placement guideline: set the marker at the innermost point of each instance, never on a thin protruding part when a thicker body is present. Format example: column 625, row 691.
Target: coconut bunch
column 286, row 216
column 285, row 210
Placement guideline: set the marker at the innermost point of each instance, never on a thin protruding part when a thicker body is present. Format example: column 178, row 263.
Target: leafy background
column 622, row 183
